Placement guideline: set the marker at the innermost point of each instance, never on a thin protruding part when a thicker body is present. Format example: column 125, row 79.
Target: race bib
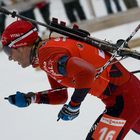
column 108, row 128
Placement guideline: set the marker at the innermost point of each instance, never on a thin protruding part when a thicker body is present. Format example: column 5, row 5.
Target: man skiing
column 72, row 63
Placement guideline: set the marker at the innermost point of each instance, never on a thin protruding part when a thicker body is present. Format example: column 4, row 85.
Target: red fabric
column 52, row 96
column 57, row 97
column 81, row 72
column 70, row 48
column 80, row 68
column 11, row 33
column 136, row 127
column 131, row 96
column 122, row 79
column 37, row 97
column 40, row 4
column 74, row 104
column 54, row 83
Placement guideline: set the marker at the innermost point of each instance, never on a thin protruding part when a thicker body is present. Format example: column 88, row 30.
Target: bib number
column 108, row 128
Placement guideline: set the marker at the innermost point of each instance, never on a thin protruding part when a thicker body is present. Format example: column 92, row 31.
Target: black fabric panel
column 115, row 72
column 79, row 95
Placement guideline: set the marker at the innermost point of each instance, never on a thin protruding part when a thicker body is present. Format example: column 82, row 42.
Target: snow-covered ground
column 38, row 122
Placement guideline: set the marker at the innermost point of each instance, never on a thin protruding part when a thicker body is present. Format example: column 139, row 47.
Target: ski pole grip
column 4, row 11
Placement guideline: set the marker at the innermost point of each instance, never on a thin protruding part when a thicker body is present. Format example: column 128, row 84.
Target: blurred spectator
column 130, row 3
column 2, row 22
column 109, row 6
column 72, row 6
column 90, row 7
column 44, row 8
column 2, row 19
column 27, row 11
column 24, row 7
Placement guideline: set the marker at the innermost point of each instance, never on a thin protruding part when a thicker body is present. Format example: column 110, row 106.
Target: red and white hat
column 19, row 34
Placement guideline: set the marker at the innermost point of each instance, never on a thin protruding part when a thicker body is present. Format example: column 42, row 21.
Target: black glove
column 21, row 99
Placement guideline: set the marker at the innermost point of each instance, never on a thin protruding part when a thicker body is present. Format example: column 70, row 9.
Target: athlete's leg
column 136, row 127
column 107, row 126
column 124, row 103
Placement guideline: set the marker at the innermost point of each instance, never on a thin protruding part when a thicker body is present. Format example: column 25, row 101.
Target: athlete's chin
column 24, row 66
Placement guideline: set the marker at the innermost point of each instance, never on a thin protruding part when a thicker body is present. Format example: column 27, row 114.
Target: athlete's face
column 21, row 55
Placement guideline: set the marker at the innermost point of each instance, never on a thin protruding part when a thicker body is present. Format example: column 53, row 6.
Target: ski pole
column 116, row 52
column 44, row 92
column 58, row 119
column 136, row 71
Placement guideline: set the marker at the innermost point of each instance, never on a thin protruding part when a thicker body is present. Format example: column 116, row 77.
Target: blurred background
column 105, row 19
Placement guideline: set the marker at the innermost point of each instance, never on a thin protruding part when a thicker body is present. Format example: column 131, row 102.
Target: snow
column 38, row 122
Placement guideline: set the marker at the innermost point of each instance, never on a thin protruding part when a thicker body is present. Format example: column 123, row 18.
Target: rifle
column 79, row 34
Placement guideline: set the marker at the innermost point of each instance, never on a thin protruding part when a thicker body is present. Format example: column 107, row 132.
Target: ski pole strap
column 106, row 65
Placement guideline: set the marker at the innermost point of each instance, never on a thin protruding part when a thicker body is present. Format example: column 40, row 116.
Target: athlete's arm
column 82, row 74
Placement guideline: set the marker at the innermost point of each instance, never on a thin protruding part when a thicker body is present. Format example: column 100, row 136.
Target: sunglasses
column 7, row 50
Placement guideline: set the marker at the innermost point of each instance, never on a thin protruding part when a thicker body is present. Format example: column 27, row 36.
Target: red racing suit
column 71, row 63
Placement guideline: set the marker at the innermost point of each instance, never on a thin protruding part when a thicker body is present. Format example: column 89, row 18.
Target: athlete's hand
column 68, row 112
column 21, row 99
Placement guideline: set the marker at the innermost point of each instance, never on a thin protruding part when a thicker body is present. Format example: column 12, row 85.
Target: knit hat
column 19, row 34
